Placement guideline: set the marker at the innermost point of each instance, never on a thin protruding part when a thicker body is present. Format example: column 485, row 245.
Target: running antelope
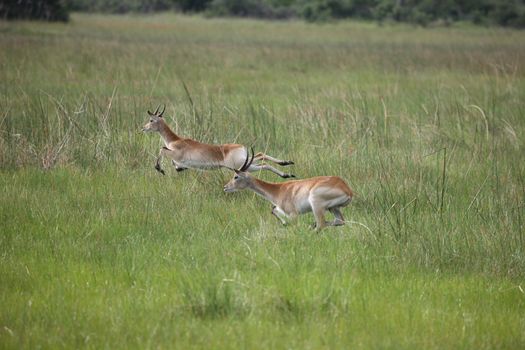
column 187, row 153
column 295, row 197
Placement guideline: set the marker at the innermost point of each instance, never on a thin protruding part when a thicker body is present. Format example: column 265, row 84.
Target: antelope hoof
column 159, row 169
column 338, row 222
column 286, row 176
column 286, row 162
column 316, row 228
column 180, row 169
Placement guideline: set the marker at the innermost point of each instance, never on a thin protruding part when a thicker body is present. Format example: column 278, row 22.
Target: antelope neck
column 166, row 133
column 264, row 189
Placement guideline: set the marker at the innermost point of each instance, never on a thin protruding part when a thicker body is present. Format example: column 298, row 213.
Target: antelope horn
column 248, row 161
column 245, row 161
column 163, row 109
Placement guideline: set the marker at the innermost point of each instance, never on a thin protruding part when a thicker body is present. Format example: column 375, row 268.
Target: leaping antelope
column 295, row 197
column 187, row 153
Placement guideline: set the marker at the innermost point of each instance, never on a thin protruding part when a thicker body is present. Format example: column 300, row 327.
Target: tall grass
column 98, row 250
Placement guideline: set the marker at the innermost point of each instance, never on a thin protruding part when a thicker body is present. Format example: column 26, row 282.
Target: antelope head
column 155, row 120
column 241, row 179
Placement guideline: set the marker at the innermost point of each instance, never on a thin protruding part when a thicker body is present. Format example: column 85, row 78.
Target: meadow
column 98, row 250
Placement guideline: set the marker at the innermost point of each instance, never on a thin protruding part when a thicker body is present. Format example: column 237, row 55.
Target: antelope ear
column 150, row 113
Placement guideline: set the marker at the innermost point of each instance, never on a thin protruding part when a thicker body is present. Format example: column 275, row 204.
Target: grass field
column 97, row 250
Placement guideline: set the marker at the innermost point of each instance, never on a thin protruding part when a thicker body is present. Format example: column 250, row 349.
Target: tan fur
column 189, row 153
column 296, row 197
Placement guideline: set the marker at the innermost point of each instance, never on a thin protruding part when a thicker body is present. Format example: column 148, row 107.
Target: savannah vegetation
column 420, row 12
column 98, row 250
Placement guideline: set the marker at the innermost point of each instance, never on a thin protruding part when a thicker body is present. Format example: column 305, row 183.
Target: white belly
column 303, row 206
column 190, row 163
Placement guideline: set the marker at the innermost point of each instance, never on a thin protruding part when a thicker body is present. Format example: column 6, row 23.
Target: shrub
column 249, row 8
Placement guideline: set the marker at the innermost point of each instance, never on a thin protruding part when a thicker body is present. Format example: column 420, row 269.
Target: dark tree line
column 423, row 12
column 49, row 10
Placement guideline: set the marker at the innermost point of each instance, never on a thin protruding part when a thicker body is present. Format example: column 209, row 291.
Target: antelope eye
column 151, row 120
column 236, row 177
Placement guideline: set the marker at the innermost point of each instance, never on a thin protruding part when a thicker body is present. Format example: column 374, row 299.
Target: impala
column 295, row 197
column 187, row 153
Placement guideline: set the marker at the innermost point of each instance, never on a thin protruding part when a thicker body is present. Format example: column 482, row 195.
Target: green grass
column 426, row 125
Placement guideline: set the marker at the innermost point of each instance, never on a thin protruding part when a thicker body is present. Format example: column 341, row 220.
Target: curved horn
column 157, row 110
column 248, row 161
column 251, row 160
column 163, row 109
column 245, row 162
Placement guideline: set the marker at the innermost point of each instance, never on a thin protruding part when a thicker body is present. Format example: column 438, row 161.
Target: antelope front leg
column 279, row 214
column 164, row 152
column 178, row 168
column 157, row 163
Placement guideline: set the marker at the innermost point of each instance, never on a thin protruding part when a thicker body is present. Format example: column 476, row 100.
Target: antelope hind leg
column 262, row 156
column 258, row 167
column 338, row 220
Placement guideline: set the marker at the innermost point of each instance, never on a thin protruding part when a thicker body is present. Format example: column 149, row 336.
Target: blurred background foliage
column 50, row 10
column 420, row 12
